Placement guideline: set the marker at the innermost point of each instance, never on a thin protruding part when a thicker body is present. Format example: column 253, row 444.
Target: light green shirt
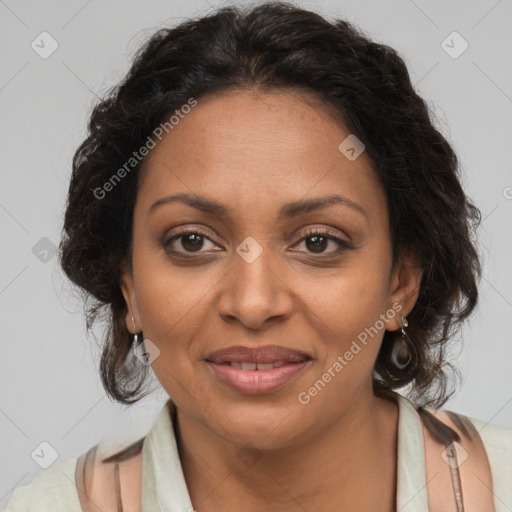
column 164, row 488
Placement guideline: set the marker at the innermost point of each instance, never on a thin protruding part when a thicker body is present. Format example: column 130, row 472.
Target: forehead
column 245, row 146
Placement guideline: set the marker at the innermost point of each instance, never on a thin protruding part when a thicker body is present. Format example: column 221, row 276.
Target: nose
column 254, row 293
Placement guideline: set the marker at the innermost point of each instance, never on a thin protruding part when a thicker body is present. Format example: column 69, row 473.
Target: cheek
column 174, row 304
column 351, row 297
column 169, row 297
column 349, row 312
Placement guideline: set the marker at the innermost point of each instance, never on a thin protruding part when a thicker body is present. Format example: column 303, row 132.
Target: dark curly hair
column 279, row 46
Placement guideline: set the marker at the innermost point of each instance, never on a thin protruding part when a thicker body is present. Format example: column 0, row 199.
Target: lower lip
column 253, row 382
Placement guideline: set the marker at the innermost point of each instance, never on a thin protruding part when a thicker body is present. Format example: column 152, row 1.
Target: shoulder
column 51, row 490
column 498, row 445
column 110, row 481
column 100, row 477
column 484, row 453
column 496, row 440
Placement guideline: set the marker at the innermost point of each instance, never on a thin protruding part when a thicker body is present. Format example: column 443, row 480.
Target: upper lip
column 263, row 354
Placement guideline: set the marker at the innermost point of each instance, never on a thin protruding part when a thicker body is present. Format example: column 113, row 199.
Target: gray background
column 50, row 385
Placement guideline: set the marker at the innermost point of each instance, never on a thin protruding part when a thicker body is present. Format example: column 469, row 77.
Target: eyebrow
column 288, row 210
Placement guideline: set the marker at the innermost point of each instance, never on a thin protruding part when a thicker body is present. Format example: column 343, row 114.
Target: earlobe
column 404, row 287
column 132, row 313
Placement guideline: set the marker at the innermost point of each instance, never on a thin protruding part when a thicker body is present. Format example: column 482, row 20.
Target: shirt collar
column 163, row 483
column 411, row 477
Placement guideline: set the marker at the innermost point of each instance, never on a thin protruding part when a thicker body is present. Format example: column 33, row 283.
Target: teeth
column 265, row 366
column 259, row 366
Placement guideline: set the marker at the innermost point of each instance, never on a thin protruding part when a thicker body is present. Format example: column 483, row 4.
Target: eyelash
column 342, row 244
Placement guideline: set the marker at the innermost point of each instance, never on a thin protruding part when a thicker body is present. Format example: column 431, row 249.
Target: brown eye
column 192, row 242
column 186, row 242
column 317, row 241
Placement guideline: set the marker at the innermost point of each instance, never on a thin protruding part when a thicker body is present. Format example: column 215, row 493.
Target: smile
column 252, row 378
column 257, row 366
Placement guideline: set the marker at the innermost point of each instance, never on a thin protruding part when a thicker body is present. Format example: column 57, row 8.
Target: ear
column 128, row 290
column 404, row 287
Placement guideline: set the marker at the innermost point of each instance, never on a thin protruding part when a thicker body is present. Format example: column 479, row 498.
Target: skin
column 253, row 152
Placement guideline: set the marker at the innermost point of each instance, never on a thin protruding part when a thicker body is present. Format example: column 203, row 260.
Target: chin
column 264, row 427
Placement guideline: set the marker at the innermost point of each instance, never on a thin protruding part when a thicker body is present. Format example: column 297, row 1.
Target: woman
column 279, row 231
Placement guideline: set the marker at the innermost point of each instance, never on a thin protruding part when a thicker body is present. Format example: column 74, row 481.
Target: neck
column 334, row 467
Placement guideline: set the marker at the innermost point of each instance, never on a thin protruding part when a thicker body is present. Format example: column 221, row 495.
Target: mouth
column 253, row 365
column 259, row 370
column 265, row 354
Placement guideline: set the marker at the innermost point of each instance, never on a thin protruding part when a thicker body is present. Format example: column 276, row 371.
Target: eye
column 319, row 239
column 192, row 241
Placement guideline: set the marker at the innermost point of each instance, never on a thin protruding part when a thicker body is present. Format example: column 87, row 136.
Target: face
column 251, row 272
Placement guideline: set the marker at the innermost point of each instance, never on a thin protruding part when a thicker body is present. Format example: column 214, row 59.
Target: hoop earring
column 401, row 354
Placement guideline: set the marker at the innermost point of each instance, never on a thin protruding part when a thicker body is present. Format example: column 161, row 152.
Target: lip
column 254, row 382
column 263, row 354
column 251, row 382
